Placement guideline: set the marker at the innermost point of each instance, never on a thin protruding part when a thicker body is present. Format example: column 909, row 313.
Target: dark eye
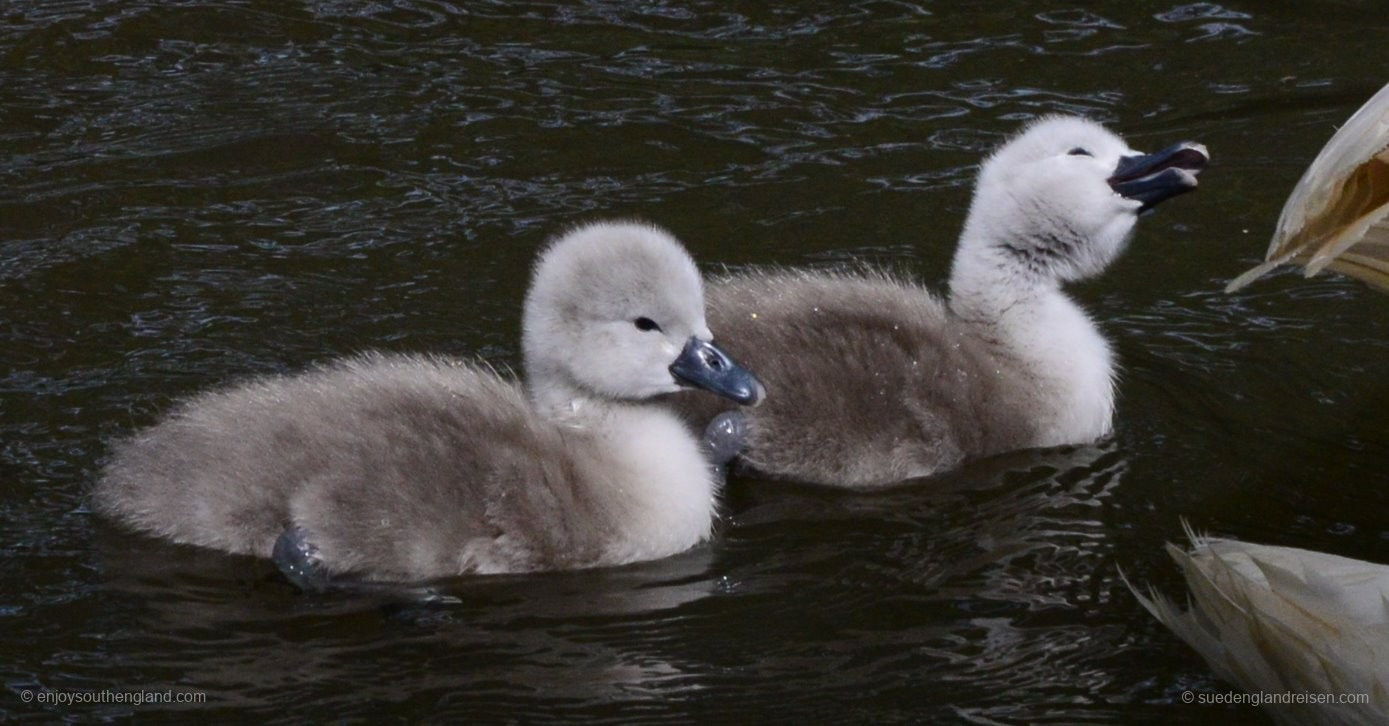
column 645, row 324
column 1077, row 151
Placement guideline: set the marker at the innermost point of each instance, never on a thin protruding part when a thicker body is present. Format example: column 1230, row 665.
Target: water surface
column 196, row 192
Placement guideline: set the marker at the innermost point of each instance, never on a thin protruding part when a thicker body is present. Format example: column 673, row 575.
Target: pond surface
column 195, row 192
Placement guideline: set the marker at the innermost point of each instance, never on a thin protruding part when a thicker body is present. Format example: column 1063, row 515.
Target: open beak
column 704, row 365
column 1154, row 178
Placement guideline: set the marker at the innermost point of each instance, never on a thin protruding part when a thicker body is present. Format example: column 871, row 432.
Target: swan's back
column 1278, row 619
column 876, row 382
column 369, row 445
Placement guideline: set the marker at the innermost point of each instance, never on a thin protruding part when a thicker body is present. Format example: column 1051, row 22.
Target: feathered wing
column 1280, row 619
column 1337, row 216
column 1352, row 235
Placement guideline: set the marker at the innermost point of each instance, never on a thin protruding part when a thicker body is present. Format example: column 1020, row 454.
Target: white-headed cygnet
column 402, row 468
column 873, row 379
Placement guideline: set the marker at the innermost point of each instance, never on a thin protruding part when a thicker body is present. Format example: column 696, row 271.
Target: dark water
column 192, row 192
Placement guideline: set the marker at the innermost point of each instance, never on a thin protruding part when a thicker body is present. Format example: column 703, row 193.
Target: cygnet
column 873, row 379
column 402, row 468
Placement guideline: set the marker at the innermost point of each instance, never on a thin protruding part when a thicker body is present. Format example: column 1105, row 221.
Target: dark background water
column 194, row 192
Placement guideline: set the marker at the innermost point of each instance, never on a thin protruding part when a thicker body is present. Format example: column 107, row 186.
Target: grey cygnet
column 387, row 467
column 874, row 379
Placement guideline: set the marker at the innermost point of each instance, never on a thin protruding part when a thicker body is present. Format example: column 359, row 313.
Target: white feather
column 1280, row 619
column 1337, row 216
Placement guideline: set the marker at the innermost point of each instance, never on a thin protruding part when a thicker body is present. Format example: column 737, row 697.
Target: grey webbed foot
column 297, row 558
column 724, row 438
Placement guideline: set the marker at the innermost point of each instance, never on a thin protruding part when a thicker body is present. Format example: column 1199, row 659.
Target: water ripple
column 194, row 192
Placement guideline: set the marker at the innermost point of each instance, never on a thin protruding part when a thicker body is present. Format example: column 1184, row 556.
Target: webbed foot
column 297, row 558
column 724, row 438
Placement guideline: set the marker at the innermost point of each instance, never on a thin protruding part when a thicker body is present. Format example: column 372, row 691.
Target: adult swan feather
column 1280, row 619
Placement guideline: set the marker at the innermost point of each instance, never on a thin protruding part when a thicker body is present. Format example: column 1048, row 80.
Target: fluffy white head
column 610, row 307
column 1043, row 201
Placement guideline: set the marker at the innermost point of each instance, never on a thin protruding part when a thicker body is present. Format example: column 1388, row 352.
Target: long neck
column 1063, row 361
column 989, row 283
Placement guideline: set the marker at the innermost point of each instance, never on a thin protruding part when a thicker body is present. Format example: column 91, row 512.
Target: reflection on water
column 807, row 591
column 197, row 192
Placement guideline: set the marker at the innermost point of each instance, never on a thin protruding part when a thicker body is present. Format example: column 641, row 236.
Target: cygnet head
column 616, row 311
column 1061, row 198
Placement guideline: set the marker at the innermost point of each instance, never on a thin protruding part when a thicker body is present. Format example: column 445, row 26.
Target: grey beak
column 704, row 365
column 1154, row 178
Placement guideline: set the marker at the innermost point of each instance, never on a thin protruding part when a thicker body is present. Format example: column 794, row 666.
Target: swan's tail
column 1285, row 620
